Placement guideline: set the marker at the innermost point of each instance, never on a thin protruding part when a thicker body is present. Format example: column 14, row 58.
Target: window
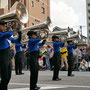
column 89, row 24
column 42, row 3
column 37, row 20
column 32, row 24
column 37, row 0
column 89, row 18
column 32, row 3
column 88, row 11
column 89, row 38
column 88, row 4
column 43, row 10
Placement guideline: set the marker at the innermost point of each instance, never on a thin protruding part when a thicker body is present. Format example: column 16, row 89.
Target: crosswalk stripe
column 42, row 88
column 47, row 86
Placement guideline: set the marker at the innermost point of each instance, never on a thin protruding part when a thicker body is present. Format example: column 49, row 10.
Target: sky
column 70, row 13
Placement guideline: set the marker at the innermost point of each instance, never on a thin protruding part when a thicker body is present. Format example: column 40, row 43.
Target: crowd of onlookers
column 81, row 57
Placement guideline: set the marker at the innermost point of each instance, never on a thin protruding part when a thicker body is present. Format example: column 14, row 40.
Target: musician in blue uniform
column 70, row 48
column 56, row 57
column 18, row 58
column 5, row 62
column 33, row 44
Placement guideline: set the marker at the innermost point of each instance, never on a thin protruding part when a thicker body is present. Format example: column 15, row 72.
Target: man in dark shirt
column 56, row 57
column 33, row 44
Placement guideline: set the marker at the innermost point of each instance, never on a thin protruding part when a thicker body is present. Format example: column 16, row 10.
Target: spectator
column 48, row 57
column 64, row 64
column 83, row 65
column 51, row 57
column 44, row 52
column 76, row 58
column 12, row 56
column 27, row 57
column 88, row 51
column 85, row 56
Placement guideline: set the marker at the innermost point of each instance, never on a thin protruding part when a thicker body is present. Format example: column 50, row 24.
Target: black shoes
column 71, row 75
column 36, row 88
column 19, row 73
column 56, row 79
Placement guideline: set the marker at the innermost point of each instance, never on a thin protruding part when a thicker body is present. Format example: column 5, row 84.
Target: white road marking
column 47, row 86
column 42, row 88
column 20, row 89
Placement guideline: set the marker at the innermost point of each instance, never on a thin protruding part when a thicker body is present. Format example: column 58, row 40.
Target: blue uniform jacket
column 19, row 47
column 33, row 44
column 70, row 48
column 4, row 37
column 56, row 46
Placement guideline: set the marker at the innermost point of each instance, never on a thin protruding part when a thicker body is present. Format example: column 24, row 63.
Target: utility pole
column 81, row 33
column 81, row 26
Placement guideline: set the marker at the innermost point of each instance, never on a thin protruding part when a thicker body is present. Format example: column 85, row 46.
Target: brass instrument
column 41, row 29
column 75, row 36
column 16, row 18
column 63, row 32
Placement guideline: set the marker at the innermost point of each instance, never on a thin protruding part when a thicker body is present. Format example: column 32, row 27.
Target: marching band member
column 18, row 58
column 70, row 48
column 56, row 57
column 5, row 62
column 33, row 44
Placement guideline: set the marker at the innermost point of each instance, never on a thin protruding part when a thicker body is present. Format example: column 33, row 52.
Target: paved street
column 81, row 81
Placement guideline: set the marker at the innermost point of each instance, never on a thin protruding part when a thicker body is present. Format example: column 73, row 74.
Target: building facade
column 88, row 20
column 4, row 4
column 38, row 10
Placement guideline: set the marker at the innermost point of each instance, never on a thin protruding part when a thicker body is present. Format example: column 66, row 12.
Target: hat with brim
column 69, row 41
column 53, row 37
column 2, row 22
column 31, row 33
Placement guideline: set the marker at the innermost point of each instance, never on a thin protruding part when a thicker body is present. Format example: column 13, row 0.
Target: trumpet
column 16, row 18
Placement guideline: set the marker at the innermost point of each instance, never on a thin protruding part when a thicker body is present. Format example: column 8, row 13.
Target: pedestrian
column 56, row 57
column 70, row 48
column 33, row 44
